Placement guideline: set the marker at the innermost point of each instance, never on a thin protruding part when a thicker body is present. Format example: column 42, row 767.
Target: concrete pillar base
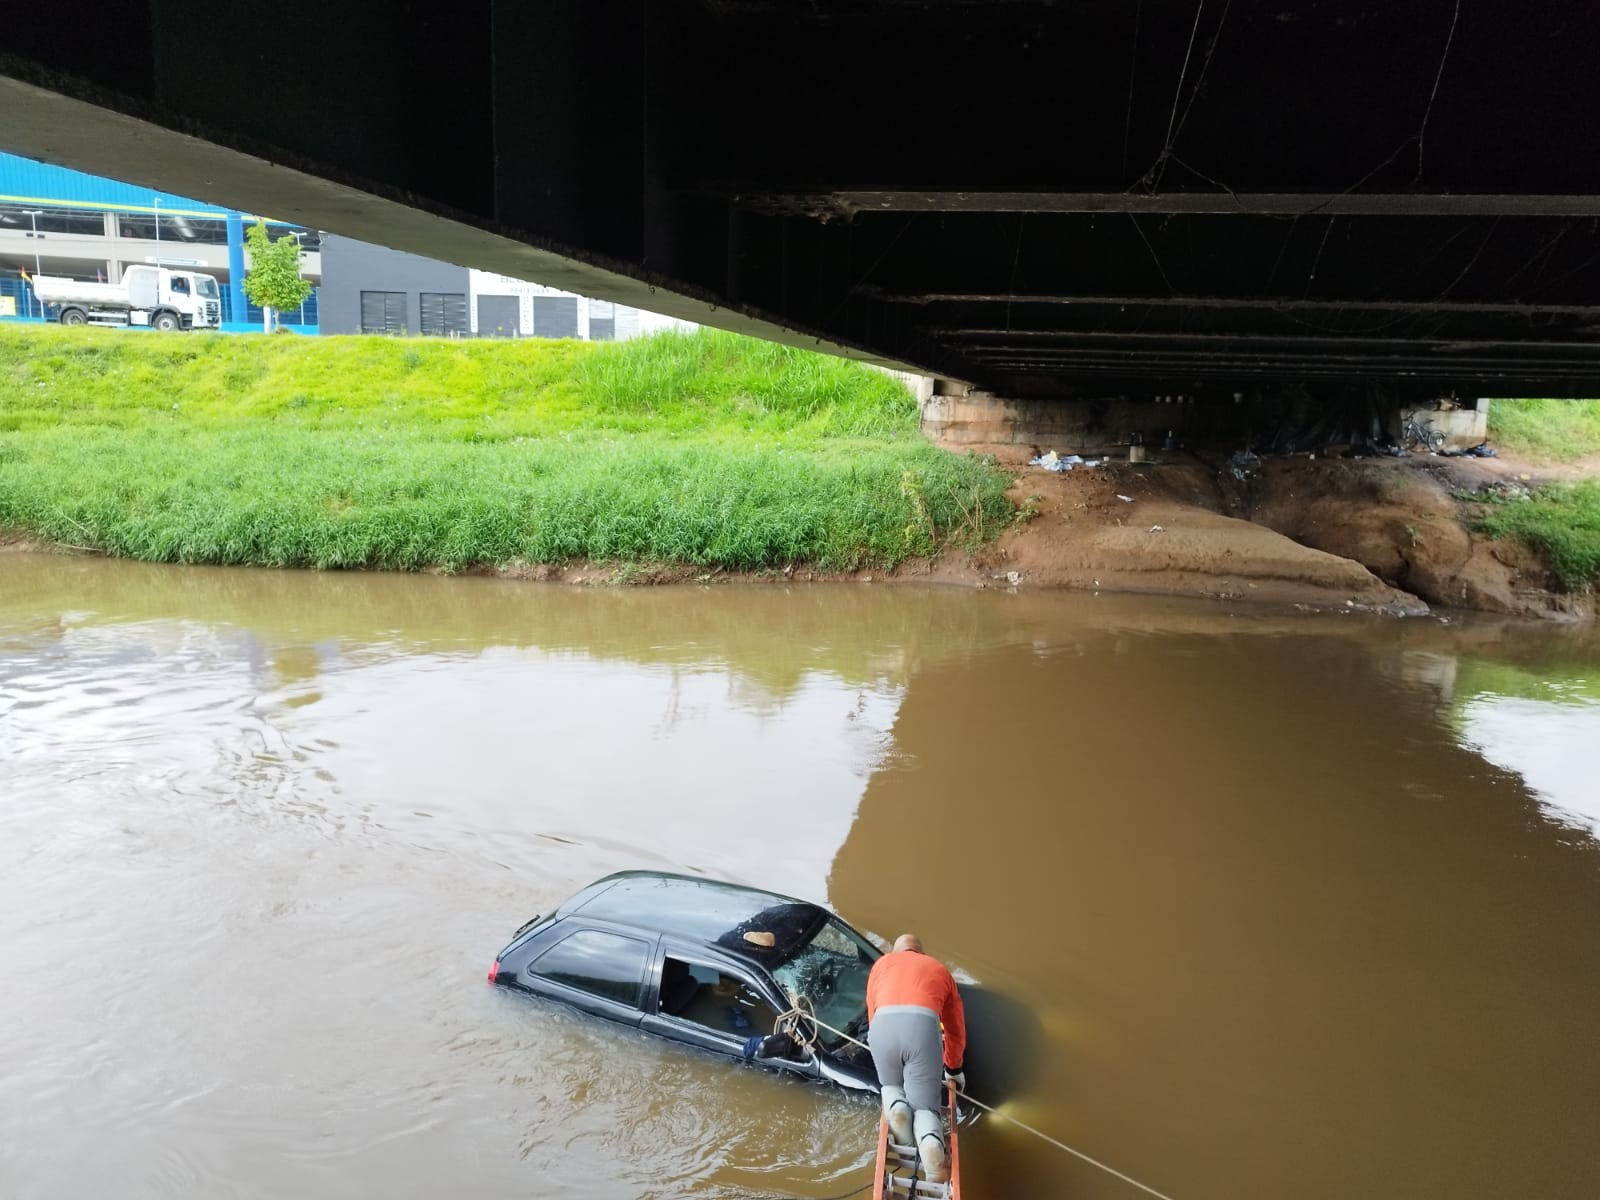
column 1461, row 427
column 1075, row 426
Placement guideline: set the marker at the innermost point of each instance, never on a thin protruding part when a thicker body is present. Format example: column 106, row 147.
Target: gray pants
column 908, row 1050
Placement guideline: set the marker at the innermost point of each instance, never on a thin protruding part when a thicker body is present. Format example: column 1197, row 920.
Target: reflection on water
column 1544, row 725
column 1261, row 905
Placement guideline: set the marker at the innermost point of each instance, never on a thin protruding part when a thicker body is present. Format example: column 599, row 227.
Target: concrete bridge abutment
column 955, row 415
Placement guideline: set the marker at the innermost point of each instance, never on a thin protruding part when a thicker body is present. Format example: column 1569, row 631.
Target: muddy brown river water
column 1267, row 905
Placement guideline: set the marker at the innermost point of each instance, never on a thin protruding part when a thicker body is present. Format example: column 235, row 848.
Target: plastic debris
column 1505, row 489
column 1157, row 529
column 1124, row 499
column 1061, row 462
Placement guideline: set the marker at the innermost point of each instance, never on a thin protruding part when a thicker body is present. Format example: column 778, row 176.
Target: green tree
column 274, row 280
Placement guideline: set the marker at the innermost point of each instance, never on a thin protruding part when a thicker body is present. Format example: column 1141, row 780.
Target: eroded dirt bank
column 1374, row 533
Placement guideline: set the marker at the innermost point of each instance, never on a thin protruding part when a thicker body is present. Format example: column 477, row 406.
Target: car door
column 712, row 1003
column 595, row 968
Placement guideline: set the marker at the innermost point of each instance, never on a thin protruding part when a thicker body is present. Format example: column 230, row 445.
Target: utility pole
column 33, row 220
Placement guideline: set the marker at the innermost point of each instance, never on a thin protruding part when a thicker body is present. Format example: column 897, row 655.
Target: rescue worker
column 909, row 997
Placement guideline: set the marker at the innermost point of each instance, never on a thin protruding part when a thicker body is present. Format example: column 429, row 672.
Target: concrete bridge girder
column 1044, row 199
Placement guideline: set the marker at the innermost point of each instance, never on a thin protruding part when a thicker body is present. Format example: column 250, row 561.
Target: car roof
column 706, row 911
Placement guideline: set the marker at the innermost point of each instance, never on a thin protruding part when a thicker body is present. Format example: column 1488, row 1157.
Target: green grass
column 701, row 382
column 1556, row 430
column 701, row 448
column 678, row 381
column 1560, row 522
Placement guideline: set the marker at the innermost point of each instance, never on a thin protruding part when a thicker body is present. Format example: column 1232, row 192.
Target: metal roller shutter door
column 555, row 316
column 444, row 312
column 498, row 316
column 383, row 312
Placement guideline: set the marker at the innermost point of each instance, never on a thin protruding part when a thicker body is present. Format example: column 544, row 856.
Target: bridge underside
column 1042, row 199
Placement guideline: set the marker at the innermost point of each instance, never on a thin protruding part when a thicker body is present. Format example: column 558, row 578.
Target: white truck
column 152, row 296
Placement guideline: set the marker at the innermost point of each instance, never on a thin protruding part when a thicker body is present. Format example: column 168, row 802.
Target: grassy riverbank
column 706, row 449
column 1562, row 523
column 1548, row 430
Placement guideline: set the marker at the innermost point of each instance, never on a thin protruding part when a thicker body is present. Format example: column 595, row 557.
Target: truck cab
column 160, row 296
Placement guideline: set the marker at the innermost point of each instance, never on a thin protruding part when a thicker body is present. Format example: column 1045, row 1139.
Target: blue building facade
column 57, row 221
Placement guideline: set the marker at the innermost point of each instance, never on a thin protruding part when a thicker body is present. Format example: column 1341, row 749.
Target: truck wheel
column 165, row 322
column 74, row 316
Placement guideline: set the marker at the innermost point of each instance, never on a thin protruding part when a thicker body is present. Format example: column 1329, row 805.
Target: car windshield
column 205, row 285
column 831, row 970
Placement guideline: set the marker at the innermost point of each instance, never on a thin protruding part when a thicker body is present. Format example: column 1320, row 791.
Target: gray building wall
column 350, row 267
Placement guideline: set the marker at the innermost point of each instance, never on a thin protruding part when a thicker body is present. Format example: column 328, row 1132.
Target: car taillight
column 494, row 970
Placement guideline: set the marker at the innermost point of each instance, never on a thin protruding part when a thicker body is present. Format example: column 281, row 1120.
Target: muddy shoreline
column 1389, row 535
column 1314, row 533
column 1309, row 532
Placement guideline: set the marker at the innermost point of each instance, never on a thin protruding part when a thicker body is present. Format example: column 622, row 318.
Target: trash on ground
column 1505, row 489
column 1245, row 458
column 1061, row 462
column 1124, row 499
column 1157, row 529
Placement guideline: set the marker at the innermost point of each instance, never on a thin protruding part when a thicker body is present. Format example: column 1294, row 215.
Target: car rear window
column 594, row 961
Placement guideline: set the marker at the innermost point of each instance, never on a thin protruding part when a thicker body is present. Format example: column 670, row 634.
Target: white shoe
column 931, row 1148
column 897, row 1110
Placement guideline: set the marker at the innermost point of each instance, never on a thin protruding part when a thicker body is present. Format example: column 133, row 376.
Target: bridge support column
column 957, row 416
column 236, row 300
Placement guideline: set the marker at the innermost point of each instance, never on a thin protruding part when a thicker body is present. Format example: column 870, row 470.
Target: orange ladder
column 899, row 1167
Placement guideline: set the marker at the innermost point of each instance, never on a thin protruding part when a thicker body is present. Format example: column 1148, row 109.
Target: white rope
column 804, row 1010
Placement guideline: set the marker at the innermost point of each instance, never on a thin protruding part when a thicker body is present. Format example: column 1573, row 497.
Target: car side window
column 713, row 999
column 594, row 961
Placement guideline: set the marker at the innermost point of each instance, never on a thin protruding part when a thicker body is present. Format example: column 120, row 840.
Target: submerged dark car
column 709, row 964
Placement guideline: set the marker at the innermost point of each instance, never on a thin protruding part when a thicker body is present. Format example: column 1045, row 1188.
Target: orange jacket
column 911, row 977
